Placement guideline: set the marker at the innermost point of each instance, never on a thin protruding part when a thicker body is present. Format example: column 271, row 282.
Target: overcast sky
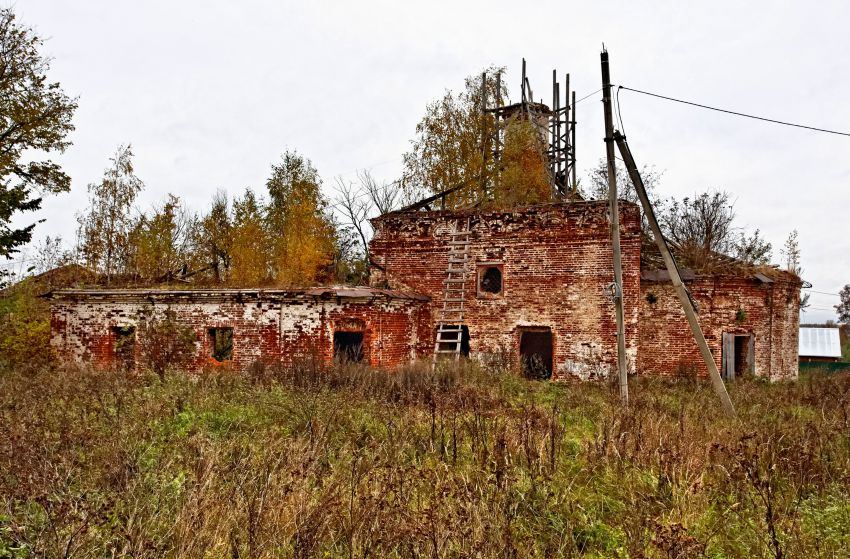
column 211, row 93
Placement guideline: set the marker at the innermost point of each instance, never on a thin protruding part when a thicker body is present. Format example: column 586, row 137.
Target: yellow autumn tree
column 454, row 143
column 302, row 233
column 249, row 253
column 454, row 147
column 211, row 241
column 523, row 178
column 159, row 241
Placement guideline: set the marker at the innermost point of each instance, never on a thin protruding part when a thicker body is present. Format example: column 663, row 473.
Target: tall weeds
column 346, row 461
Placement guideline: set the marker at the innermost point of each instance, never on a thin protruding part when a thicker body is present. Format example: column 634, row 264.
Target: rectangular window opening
column 348, row 346
column 535, row 351
column 490, row 280
column 221, row 343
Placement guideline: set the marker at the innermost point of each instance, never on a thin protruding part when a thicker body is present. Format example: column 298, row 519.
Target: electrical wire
column 822, row 292
column 619, row 115
column 736, row 113
column 588, row 95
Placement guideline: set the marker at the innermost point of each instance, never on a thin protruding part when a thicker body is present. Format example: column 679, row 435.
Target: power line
column 588, row 95
column 823, row 292
column 727, row 111
column 619, row 114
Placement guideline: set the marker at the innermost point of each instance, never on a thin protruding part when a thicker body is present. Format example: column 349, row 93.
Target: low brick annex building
column 241, row 326
column 536, row 287
column 750, row 321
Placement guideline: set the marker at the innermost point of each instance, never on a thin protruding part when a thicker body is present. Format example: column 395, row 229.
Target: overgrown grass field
column 463, row 462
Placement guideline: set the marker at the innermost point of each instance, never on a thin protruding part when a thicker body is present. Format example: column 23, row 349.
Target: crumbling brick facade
column 750, row 309
column 264, row 325
column 537, row 284
column 555, row 265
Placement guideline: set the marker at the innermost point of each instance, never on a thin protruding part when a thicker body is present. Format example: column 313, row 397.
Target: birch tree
column 300, row 228
column 106, row 224
column 160, row 241
column 212, row 240
column 249, row 243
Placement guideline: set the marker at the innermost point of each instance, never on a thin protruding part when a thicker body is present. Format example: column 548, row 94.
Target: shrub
column 165, row 343
column 24, row 327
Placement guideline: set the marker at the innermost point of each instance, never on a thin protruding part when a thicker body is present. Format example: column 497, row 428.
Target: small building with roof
column 820, row 344
column 750, row 319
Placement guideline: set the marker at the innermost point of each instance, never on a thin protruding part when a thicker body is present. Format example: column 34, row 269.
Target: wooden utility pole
column 673, row 270
column 614, row 214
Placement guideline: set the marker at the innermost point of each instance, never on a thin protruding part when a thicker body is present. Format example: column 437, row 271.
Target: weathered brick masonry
column 267, row 325
column 555, row 261
column 538, row 273
column 767, row 309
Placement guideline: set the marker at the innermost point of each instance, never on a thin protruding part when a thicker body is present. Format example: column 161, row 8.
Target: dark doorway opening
column 535, row 352
column 738, row 355
column 449, row 337
column 348, row 346
column 125, row 346
column 221, row 343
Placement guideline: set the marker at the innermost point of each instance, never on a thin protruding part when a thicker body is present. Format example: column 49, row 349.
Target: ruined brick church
column 528, row 285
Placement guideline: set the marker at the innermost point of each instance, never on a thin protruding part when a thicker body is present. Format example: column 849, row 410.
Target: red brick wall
column 556, row 264
column 264, row 328
column 769, row 311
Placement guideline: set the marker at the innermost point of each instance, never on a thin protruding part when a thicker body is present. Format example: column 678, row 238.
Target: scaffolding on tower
column 555, row 127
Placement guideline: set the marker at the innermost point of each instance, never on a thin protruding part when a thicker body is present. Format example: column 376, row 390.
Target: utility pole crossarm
column 673, row 270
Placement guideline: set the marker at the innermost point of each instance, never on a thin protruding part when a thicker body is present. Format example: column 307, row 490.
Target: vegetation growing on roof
column 447, row 149
column 454, row 147
column 523, row 178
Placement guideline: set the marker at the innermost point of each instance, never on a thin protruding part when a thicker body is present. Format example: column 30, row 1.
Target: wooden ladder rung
column 449, row 339
column 454, row 333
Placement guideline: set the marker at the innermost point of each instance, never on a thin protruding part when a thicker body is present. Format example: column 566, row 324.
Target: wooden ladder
column 450, row 323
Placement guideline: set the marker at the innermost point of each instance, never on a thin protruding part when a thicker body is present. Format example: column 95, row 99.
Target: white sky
column 211, row 93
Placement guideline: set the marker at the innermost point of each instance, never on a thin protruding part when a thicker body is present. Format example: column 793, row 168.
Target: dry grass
column 350, row 462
